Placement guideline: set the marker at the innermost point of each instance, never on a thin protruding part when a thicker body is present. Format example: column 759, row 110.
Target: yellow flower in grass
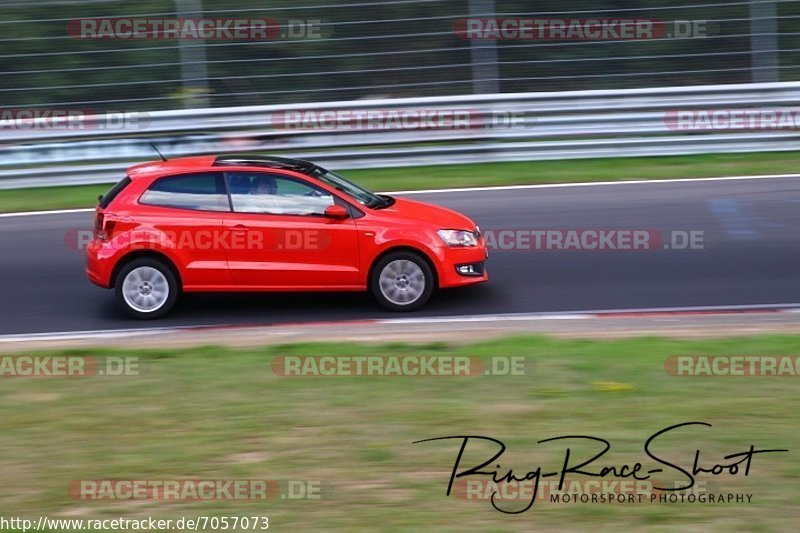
column 612, row 386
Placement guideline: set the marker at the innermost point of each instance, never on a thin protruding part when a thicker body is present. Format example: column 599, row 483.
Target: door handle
column 239, row 228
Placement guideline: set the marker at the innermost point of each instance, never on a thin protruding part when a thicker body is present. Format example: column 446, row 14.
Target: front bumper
column 453, row 258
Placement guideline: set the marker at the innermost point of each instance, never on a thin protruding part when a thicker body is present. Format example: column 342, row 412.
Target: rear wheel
column 402, row 281
column 146, row 288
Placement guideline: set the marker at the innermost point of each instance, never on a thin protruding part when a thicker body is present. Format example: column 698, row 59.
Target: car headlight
column 458, row 238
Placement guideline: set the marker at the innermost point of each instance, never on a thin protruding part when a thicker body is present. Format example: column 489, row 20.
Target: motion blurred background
column 567, row 98
column 378, row 49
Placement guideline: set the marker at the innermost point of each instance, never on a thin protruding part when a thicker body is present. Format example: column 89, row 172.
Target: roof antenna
column 159, row 153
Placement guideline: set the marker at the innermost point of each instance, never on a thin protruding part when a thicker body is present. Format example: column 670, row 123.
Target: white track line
column 597, row 313
column 488, row 318
column 495, row 188
column 79, row 335
column 595, row 183
column 114, row 333
column 566, row 315
column 37, row 213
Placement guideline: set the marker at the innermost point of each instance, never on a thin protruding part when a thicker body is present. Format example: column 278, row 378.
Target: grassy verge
column 217, row 413
column 447, row 176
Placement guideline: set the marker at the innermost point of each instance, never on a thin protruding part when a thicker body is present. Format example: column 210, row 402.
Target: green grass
column 221, row 413
column 487, row 174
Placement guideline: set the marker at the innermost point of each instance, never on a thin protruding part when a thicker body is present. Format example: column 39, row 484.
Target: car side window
column 273, row 194
column 204, row 191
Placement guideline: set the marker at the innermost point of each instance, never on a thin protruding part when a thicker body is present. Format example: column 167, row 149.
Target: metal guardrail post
column 764, row 41
column 194, row 71
column 485, row 74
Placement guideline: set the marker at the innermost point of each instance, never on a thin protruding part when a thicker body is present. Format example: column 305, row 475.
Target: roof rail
column 262, row 161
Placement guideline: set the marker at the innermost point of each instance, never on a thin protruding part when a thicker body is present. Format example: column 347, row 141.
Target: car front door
column 184, row 215
column 281, row 238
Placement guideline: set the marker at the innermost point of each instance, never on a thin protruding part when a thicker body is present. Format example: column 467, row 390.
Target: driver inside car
column 260, row 195
column 264, row 185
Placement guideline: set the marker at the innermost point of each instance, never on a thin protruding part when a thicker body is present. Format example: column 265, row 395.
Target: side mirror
column 336, row 212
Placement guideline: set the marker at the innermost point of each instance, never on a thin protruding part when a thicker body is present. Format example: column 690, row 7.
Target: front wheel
column 402, row 281
column 146, row 288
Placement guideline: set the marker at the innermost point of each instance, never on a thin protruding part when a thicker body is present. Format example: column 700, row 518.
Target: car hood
column 441, row 217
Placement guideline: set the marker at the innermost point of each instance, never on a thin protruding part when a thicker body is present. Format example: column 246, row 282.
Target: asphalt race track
column 751, row 255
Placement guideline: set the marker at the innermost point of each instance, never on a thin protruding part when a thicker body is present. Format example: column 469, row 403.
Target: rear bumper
column 98, row 264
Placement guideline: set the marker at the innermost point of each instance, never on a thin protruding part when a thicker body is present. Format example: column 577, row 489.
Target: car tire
column 402, row 281
column 146, row 288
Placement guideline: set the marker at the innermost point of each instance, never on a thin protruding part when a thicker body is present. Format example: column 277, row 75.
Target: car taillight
column 103, row 227
column 98, row 226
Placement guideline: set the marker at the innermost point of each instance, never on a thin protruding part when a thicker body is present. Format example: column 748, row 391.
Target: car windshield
column 360, row 194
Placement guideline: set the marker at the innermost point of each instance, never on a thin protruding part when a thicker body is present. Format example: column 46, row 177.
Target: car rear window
column 115, row 190
column 200, row 192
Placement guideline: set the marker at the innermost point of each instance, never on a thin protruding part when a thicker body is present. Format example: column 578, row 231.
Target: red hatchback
column 254, row 223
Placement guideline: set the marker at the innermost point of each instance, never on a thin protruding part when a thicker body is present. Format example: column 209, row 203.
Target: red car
column 255, row 223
